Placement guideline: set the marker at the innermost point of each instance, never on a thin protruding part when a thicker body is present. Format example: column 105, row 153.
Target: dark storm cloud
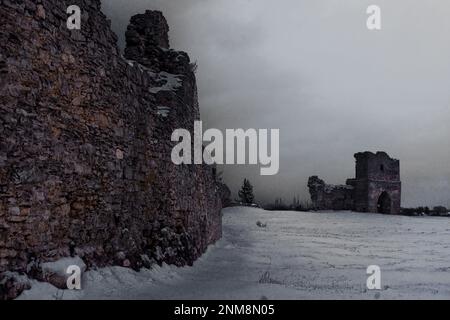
column 333, row 88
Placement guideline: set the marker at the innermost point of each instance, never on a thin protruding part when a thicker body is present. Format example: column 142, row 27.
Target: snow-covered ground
column 296, row 256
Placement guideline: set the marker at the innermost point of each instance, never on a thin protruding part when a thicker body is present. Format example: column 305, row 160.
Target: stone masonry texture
column 85, row 142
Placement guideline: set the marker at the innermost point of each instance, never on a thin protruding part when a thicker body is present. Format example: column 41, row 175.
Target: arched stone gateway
column 384, row 203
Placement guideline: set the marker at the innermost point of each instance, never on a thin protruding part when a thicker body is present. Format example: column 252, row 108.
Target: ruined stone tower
column 376, row 187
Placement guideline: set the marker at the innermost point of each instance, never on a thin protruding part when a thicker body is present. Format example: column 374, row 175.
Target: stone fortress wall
column 85, row 142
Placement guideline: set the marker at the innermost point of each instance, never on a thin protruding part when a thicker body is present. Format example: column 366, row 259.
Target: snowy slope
column 297, row 256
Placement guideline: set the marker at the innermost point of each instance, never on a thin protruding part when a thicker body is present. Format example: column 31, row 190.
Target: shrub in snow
column 266, row 278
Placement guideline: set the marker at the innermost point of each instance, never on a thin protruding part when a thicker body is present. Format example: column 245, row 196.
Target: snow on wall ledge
column 85, row 163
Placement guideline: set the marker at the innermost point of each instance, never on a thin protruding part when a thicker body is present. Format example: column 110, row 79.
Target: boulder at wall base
column 12, row 285
column 56, row 274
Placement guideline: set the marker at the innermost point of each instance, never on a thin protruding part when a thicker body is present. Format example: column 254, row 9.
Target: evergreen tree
column 246, row 193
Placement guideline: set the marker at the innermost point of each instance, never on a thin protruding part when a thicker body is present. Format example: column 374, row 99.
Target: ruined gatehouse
column 376, row 187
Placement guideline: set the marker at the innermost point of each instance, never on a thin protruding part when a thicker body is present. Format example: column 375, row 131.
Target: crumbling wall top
column 148, row 30
column 377, row 166
column 369, row 155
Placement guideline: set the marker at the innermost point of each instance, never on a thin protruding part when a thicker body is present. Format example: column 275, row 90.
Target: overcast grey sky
column 332, row 87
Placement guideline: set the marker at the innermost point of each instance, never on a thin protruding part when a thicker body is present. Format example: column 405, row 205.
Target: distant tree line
column 435, row 211
column 295, row 205
column 247, row 198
